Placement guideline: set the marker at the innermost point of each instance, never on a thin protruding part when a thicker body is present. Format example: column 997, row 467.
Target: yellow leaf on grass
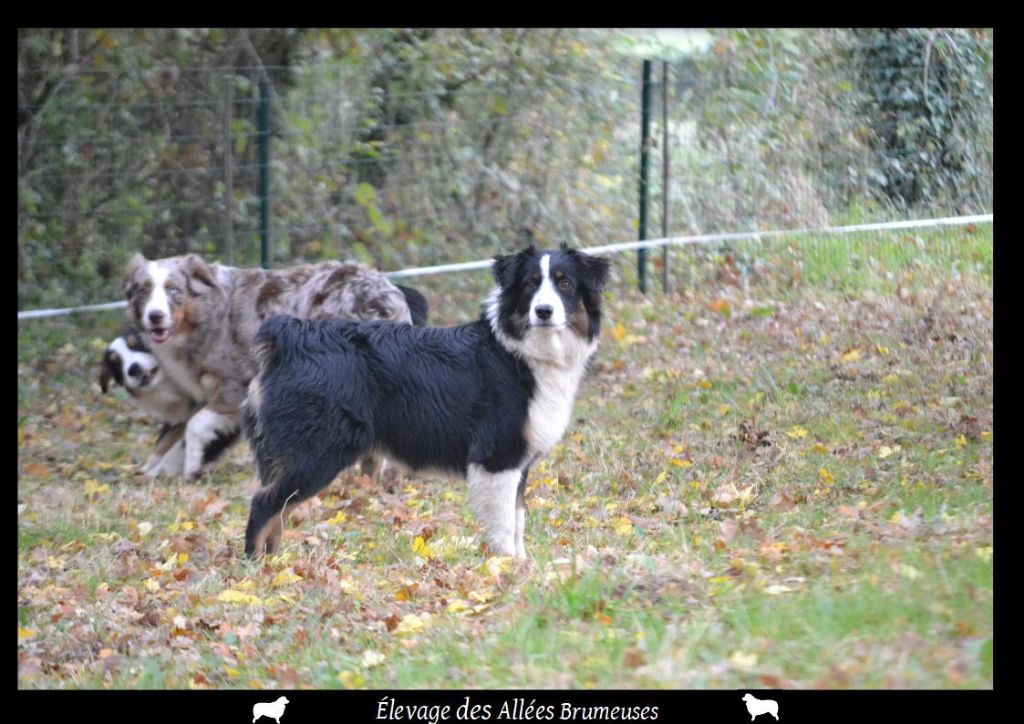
column 25, row 633
column 852, row 356
column 411, row 624
column 681, row 463
column 91, row 488
column 884, row 451
column 826, row 476
column 819, row 448
column 481, row 596
column 144, row 528
column 961, row 441
column 742, row 660
column 623, row 526
column 351, row 680
column 617, row 333
column 496, row 565
column 245, row 599
column 151, row 584
column 984, row 553
column 337, row 519
column 285, row 578
column 457, row 606
column 796, row 432
column 420, row 548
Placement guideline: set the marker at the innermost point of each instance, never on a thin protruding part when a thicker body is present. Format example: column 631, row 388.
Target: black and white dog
column 128, row 362
column 483, row 400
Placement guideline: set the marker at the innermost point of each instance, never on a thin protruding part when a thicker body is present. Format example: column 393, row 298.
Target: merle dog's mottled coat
column 199, row 320
column 481, row 400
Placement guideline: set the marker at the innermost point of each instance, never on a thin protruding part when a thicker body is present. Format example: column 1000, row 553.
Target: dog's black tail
column 276, row 339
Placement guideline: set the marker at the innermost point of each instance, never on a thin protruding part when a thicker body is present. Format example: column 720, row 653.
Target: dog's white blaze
column 158, row 301
column 547, row 294
column 129, row 357
column 201, row 430
column 493, row 498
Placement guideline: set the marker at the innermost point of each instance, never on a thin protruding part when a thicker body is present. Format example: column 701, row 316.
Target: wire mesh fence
column 446, row 146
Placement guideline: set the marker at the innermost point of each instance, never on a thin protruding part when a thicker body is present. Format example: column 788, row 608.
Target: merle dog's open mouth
column 160, row 335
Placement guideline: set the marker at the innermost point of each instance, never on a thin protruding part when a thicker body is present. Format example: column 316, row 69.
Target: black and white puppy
column 482, row 401
column 128, row 362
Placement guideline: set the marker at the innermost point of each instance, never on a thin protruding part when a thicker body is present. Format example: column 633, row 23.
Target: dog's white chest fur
column 557, row 360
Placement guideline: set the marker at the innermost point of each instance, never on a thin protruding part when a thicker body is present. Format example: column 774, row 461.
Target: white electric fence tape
column 625, row 246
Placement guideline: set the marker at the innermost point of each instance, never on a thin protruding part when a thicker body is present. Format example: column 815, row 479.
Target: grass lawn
column 779, row 475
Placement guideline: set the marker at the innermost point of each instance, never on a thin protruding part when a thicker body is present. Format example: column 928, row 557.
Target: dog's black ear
column 199, row 271
column 110, row 371
column 105, row 376
column 594, row 274
column 504, row 269
column 594, row 268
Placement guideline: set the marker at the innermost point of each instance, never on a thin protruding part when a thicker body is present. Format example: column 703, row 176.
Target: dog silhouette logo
column 271, row 709
column 757, row 707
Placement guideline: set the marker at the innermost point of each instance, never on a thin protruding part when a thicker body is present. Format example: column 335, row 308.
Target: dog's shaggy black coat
column 454, row 399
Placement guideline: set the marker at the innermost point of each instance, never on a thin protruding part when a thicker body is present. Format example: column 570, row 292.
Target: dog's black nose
column 544, row 311
column 156, row 316
column 134, row 370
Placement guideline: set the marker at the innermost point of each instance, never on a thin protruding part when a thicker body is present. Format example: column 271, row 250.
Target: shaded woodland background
column 417, row 146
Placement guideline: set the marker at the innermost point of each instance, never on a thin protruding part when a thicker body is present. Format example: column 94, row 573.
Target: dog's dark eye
column 565, row 284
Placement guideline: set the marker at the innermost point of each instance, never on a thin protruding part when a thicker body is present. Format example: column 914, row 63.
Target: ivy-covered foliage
column 928, row 94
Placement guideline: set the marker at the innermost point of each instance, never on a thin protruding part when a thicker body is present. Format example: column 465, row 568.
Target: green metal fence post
column 665, row 166
column 645, row 157
column 264, row 140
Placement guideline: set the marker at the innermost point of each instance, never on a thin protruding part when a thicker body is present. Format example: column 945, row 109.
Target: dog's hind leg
column 294, row 478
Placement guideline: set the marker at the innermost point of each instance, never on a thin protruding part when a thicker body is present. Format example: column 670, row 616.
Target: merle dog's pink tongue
column 160, row 335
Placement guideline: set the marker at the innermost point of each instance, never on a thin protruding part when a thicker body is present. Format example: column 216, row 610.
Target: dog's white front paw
column 150, row 464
